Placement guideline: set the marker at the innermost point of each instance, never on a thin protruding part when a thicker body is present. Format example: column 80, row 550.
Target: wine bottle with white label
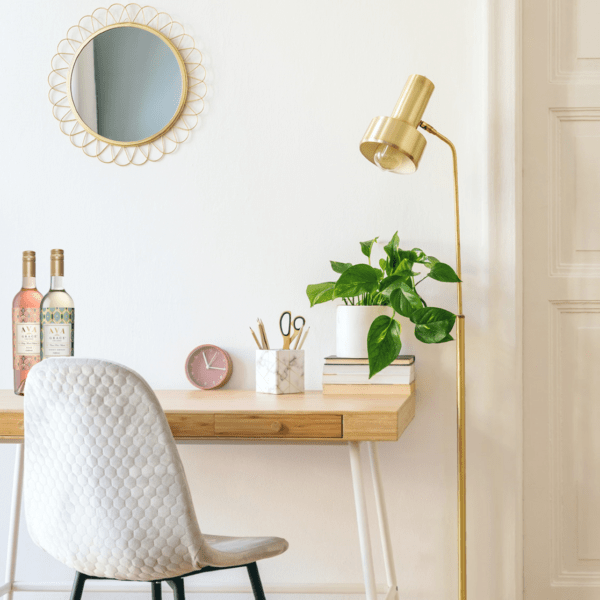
column 57, row 313
column 26, row 324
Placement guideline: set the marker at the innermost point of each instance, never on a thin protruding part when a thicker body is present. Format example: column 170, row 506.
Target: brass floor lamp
column 394, row 144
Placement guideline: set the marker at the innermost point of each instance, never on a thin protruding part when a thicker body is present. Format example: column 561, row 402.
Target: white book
column 379, row 378
column 340, row 360
column 392, row 370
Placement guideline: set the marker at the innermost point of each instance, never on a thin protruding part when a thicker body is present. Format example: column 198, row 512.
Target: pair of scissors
column 286, row 328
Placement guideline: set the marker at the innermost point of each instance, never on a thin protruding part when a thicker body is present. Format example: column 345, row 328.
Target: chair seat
column 224, row 551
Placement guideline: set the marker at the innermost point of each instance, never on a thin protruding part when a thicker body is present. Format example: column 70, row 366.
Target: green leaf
column 404, row 300
column 389, row 284
column 409, row 255
column 442, row 272
column 386, row 266
column 431, row 315
column 367, row 247
column 404, row 264
column 383, row 343
column 423, row 259
column 406, row 273
column 356, row 280
column 339, row 267
column 435, row 333
column 320, row 292
column 391, row 249
column 433, row 325
column 420, row 255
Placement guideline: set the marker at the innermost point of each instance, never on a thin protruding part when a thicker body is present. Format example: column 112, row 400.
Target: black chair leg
column 177, row 587
column 78, row 584
column 257, row 588
column 156, row 591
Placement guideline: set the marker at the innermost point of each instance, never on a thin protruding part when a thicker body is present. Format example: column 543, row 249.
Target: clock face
column 208, row 367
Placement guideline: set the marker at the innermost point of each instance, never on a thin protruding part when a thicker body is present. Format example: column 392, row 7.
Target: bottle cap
column 28, row 263
column 57, row 264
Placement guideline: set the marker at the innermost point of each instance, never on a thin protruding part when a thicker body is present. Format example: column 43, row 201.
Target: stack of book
column 351, row 376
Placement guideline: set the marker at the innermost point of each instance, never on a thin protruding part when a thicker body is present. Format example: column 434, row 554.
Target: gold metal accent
column 461, row 456
column 57, row 263
column 193, row 85
column 460, row 389
column 394, row 132
column 28, row 263
column 433, row 131
column 399, row 132
column 413, row 100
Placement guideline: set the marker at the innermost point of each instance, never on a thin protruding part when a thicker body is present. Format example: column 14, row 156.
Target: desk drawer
column 191, row 426
column 11, row 425
column 278, row 426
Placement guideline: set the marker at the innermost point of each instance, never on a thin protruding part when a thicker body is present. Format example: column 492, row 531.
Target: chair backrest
column 105, row 490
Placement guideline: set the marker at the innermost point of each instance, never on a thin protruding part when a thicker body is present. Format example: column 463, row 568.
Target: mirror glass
column 126, row 84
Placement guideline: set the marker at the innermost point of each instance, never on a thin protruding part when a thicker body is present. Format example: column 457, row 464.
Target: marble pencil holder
column 280, row 371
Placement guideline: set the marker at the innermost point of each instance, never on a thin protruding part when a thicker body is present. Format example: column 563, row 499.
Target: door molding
column 504, row 145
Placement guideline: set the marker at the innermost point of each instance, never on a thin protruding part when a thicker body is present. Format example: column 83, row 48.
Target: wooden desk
column 230, row 415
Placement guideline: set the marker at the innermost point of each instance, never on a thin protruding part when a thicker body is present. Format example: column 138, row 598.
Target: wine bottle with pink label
column 26, row 324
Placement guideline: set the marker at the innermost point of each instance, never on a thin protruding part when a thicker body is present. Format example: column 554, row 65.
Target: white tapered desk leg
column 384, row 527
column 363, row 522
column 15, row 516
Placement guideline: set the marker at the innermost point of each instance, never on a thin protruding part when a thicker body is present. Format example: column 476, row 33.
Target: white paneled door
column 561, row 251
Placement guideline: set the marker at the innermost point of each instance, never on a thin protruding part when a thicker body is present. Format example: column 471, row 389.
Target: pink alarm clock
column 208, row 367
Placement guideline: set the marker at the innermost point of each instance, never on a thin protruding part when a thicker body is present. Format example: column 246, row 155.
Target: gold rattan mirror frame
column 190, row 106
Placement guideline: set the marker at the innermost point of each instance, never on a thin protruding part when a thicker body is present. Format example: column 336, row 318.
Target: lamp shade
column 394, row 143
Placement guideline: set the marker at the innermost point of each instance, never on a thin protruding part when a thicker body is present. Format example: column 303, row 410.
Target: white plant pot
column 352, row 328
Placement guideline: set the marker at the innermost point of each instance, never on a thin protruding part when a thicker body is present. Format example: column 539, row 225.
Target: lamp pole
column 460, row 387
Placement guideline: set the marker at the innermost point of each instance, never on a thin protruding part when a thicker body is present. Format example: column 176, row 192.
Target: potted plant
column 373, row 297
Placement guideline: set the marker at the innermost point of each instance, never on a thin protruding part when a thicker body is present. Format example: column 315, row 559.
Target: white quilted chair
column 105, row 490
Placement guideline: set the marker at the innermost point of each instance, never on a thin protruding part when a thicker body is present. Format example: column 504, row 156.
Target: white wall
column 233, row 226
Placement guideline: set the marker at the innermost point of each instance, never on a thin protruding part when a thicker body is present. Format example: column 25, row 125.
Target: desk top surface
column 211, row 401
column 228, row 414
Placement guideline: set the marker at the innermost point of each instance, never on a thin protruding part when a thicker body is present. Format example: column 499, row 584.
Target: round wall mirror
column 127, row 85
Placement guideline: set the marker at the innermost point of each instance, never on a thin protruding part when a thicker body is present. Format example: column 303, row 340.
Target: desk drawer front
column 191, row 426
column 11, row 425
column 278, row 426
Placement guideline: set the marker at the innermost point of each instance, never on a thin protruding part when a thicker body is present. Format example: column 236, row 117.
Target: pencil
column 263, row 335
column 264, row 332
column 256, row 339
column 299, row 347
column 298, row 338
